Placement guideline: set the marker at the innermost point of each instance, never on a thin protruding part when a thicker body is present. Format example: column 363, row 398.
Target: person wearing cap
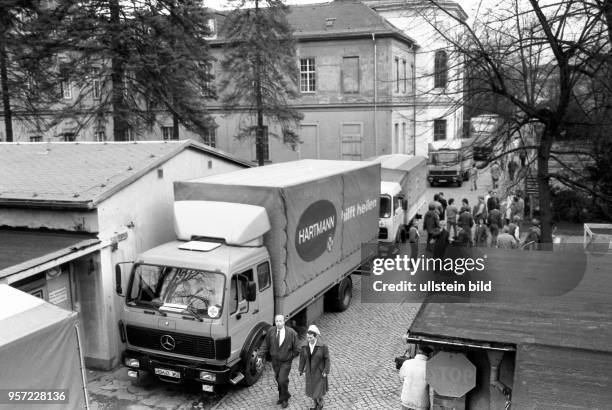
column 282, row 344
column 314, row 361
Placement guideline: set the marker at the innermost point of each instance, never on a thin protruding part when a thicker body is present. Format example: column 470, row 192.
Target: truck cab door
column 398, row 216
column 265, row 292
column 240, row 312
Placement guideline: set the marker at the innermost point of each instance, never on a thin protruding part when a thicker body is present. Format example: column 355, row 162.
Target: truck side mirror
column 251, row 292
column 118, row 287
column 405, row 204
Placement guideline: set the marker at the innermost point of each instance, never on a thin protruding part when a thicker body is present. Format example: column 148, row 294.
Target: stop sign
column 451, row 374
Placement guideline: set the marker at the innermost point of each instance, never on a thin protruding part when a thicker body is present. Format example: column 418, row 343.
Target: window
column 263, row 276
column 96, row 89
column 168, row 133
column 36, row 138
column 69, row 136
column 100, row 135
column 351, row 134
column 208, row 86
column 395, row 147
column 397, row 75
column 211, row 25
column 210, row 137
column 350, row 74
column 237, row 293
column 440, row 69
column 439, row 130
column 405, row 77
column 307, row 75
column 66, row 90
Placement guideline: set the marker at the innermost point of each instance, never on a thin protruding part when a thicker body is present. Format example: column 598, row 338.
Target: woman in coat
column 314, row 361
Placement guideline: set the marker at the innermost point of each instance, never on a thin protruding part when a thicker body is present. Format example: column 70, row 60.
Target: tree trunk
column 120, row 125
column 544, row 185
column 6, row 99
column 259, row 140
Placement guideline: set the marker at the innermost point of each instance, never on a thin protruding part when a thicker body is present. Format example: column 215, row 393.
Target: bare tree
column 532, row 62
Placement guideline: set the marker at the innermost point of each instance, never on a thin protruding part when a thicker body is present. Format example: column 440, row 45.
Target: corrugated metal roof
column 76, row 174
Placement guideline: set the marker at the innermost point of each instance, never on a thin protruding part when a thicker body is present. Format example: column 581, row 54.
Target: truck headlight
column 207, row 376
column 132, row 362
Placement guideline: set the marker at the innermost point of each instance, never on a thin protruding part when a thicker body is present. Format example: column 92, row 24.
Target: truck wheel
column 344, row 294
column 459, row 183
column 249, row 368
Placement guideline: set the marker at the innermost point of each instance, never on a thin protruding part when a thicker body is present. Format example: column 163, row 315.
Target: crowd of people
column 491, row 222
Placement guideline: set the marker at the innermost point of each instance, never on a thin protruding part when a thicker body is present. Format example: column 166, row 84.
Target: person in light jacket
column 415, row 390
column 314, row 361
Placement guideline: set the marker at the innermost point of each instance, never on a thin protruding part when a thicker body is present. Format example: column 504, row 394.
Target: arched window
column 440, row 69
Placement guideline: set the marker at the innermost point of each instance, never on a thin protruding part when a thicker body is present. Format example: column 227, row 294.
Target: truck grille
column 189, row 345
column 443, row 173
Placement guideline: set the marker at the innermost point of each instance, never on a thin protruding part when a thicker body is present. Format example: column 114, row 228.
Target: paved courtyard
column 362, row 341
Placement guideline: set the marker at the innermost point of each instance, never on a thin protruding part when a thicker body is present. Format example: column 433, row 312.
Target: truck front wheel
column 344, row 295
column 249, row 367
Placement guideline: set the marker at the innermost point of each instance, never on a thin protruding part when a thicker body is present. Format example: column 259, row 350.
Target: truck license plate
column 441, row 180
column 208, row 388
column 169, row 373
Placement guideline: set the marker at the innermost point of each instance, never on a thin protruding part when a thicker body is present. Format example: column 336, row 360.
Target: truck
column 402, row 194
column 448, row 164
column 250, row 244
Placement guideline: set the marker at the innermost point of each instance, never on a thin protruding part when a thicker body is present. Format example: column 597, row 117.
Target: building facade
column 439, row 69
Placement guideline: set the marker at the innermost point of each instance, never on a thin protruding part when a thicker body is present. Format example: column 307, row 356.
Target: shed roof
column 578, row 319
column 81, row 175
column 22, row 249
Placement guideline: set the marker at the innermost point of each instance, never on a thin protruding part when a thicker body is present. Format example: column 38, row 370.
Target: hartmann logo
column 315, row 230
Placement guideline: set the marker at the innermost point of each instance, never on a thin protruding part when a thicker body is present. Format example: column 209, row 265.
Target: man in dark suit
column 282, row 344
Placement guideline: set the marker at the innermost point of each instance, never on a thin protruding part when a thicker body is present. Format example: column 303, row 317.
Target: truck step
column 237, row 378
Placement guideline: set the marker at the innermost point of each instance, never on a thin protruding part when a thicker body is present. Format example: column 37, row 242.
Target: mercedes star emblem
column 167, row 342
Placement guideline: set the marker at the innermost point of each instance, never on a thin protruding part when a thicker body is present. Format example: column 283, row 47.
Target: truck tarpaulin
column 39, row 350
column 321, row 212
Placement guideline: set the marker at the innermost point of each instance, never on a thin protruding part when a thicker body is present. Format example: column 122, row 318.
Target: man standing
column 474, row 178
column 444, row 204
column 492, row 201
column 415, row 390
column 451, row 216
column 283, row 345
column 495, row 174
column 505, row 240
column 512, row 166
column 431, row 223
column 495, row 223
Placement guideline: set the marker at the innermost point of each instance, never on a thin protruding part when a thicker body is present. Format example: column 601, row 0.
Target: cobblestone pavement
column 363, row 342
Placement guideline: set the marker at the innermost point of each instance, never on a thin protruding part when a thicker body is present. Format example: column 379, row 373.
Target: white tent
column 39, row 350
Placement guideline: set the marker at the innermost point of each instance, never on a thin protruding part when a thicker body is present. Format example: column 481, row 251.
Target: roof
column 416, row 4
column 399, row 161
column 22, row 314
column 535, row 309
column 340, row 18
column 21, row 249
column 334, row 20
column 217, row 259
column 286, row 173
column 81, row 175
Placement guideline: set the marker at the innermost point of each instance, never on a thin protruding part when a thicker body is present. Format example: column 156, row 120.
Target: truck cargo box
column 320, row 212
column 409, row 171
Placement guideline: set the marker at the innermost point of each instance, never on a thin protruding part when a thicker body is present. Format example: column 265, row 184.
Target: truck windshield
column 385, row 206
column 152, row 286
column 444, row 158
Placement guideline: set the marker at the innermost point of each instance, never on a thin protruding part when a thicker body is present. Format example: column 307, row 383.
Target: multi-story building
column 356, row 87
column 366, row 88
column 439, row 68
